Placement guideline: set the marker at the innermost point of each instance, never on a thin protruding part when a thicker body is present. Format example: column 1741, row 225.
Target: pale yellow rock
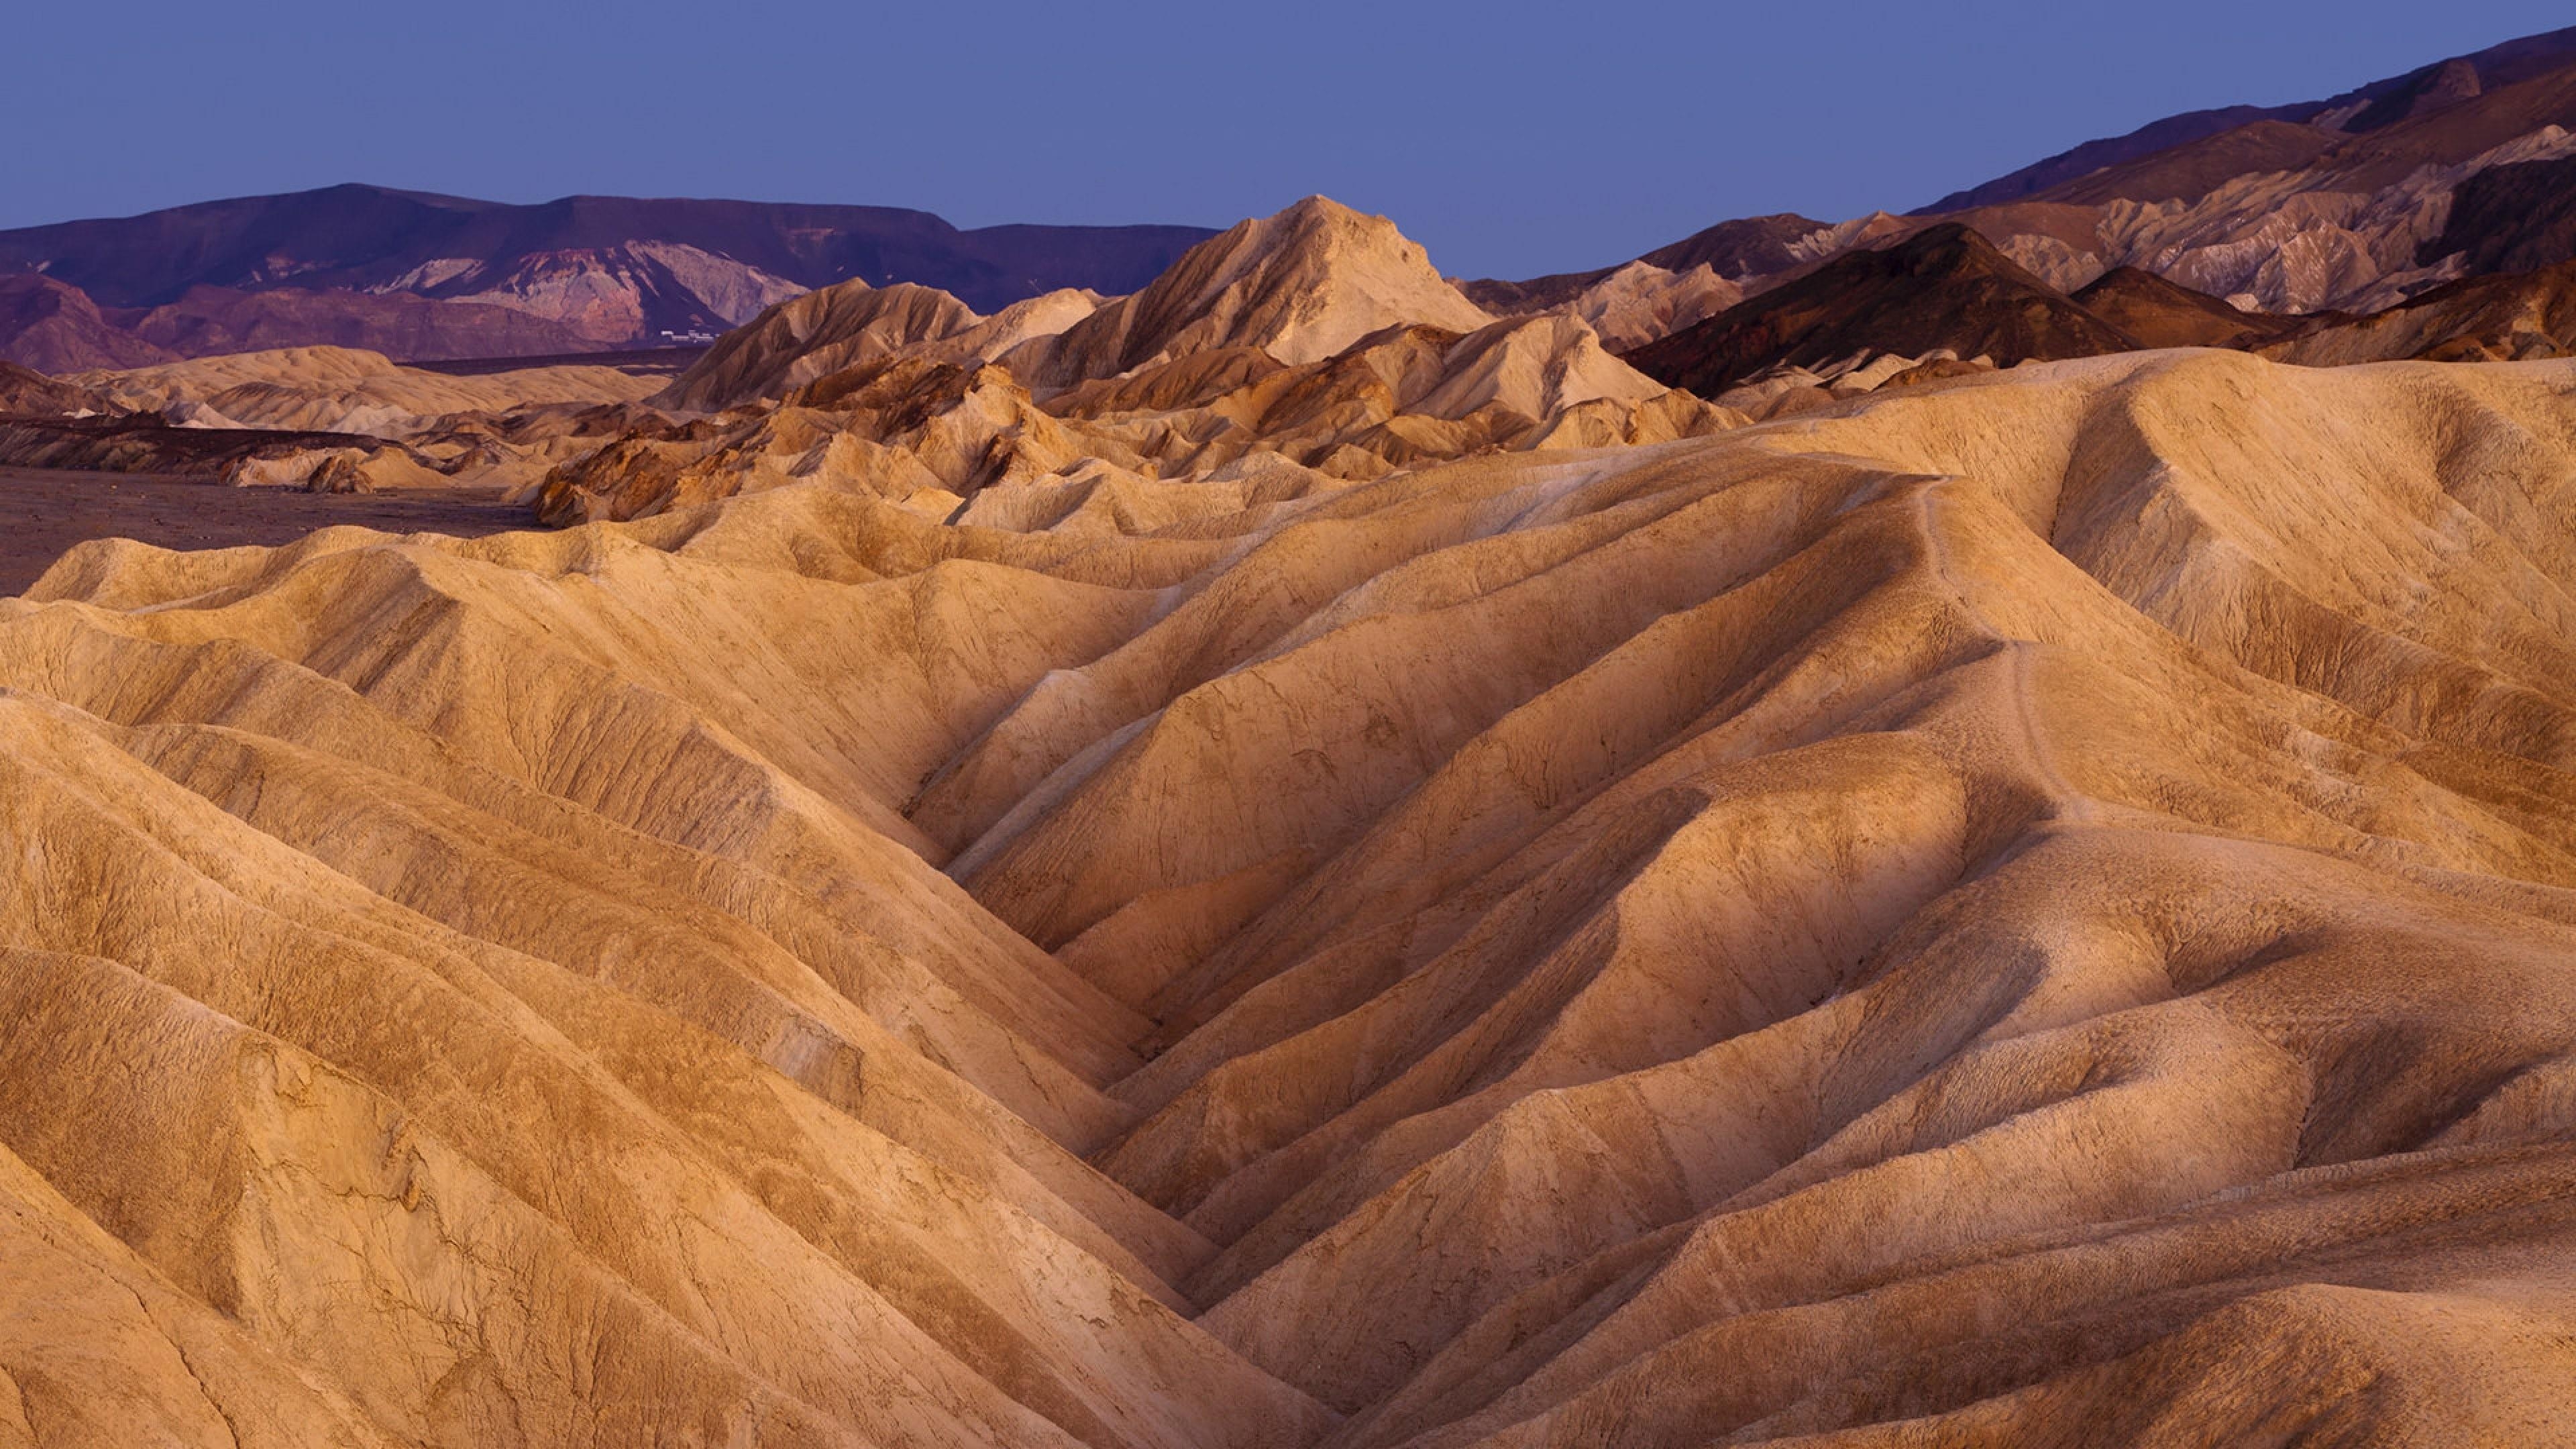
column 344, row 390
column 1641, row 303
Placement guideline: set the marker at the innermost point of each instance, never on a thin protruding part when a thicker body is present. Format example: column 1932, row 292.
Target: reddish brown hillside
column 1944, row 287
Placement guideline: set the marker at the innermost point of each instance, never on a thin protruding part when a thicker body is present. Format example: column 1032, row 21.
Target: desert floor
column 45, row 511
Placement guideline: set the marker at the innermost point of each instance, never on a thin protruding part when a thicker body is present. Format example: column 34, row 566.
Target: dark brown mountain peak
column 2434, row 88
column 1944, row 286
column 52, row 326
column 1950, row 250
column 2160, row 312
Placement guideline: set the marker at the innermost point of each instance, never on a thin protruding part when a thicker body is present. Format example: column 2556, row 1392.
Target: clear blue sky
column 1510, row 138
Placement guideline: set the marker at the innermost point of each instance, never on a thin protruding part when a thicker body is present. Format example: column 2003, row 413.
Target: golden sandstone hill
column 1285, row 860
column 2031, row 908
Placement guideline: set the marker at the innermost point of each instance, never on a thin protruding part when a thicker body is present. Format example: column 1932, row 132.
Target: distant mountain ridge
column 2355, row 204
column 608, row 271
column 2364, row 108
column 2361, row 202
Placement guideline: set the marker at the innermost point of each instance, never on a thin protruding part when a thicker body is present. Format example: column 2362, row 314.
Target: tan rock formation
column 912, row 427
column 1301, row 285
column 1641, row 302
column 845, row 326
column 798, row 341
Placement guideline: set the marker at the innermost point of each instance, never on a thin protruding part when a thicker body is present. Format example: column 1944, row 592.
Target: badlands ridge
column 1287, row 861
